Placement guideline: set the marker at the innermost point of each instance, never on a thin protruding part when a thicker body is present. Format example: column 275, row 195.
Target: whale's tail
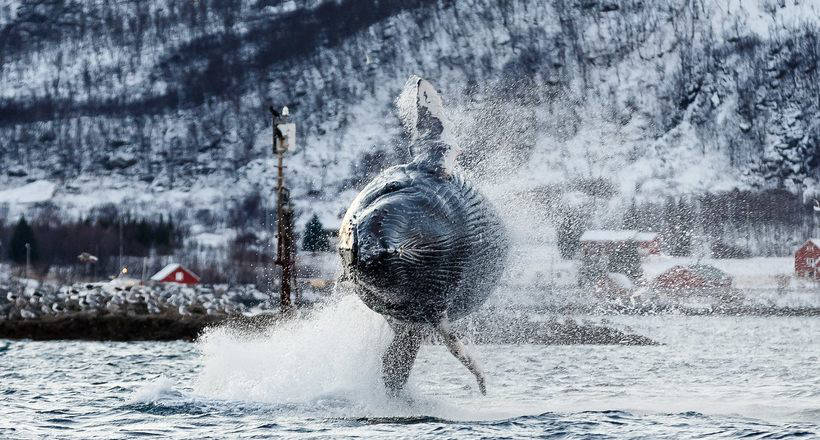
column 422, row 113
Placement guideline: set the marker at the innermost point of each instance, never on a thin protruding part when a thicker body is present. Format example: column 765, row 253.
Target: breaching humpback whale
column 421, row 245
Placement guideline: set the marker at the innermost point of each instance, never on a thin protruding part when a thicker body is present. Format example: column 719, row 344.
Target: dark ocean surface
column 713, row 377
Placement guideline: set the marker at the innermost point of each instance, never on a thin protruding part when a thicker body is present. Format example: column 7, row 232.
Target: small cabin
column 175, row 273
column 807, row 259
column 696, row 276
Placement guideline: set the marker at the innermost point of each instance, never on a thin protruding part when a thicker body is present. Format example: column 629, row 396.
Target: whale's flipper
column 421, row 110
column 461, row 353
column 400, row 356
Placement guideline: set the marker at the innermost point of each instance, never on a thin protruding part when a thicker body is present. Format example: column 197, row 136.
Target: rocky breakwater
column 121, row 310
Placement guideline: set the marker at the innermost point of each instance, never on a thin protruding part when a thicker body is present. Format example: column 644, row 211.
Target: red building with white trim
column 175, row 273
column 807, row 259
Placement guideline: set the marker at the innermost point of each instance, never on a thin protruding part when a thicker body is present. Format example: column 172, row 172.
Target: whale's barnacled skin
column 422, row 244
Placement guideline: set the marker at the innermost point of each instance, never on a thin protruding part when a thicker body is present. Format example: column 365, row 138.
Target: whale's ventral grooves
column 422, row 243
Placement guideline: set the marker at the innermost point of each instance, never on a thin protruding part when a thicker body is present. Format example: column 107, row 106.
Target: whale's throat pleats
column 432, row 248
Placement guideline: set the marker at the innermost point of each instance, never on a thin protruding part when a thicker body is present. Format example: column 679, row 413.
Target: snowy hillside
column 160, row 106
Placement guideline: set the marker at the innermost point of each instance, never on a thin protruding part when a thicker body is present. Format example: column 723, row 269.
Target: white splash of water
column 335, row 352
column 328, row 363
column 160, row 389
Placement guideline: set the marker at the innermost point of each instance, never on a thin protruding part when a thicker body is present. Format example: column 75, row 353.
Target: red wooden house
column 175, row 273
column 807, row 259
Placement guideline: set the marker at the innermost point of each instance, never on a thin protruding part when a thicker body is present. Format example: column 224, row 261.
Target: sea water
column 712, row 376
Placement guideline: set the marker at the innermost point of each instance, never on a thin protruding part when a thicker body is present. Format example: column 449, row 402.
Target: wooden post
column 284, row 218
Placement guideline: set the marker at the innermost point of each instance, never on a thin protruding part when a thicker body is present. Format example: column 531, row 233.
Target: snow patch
column 34, row 192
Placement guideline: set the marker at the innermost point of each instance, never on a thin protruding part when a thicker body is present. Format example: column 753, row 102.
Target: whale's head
column 386, row 246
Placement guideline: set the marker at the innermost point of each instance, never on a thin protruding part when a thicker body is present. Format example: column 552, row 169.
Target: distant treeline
column 733, row 224
column 105, row 234
column 145, row 244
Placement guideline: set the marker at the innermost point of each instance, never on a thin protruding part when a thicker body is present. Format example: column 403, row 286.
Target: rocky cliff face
column 160, row 106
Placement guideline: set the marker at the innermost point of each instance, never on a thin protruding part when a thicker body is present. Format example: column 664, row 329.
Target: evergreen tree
column 142, row 233
column 670, row 213
column 631, row 217
column 569, row 234
column 684, row 228
column 21, row 235
column 676, row 232
column 316, row 239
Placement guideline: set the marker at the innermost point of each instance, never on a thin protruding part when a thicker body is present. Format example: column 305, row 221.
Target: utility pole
column 28, row 258
column 283, row 137
column 119, row 259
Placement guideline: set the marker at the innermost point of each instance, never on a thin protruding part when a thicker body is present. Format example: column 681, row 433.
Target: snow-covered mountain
column 161, row 106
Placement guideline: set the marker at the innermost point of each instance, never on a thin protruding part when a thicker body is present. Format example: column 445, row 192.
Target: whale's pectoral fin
column 400, row 355
column 461, row 353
